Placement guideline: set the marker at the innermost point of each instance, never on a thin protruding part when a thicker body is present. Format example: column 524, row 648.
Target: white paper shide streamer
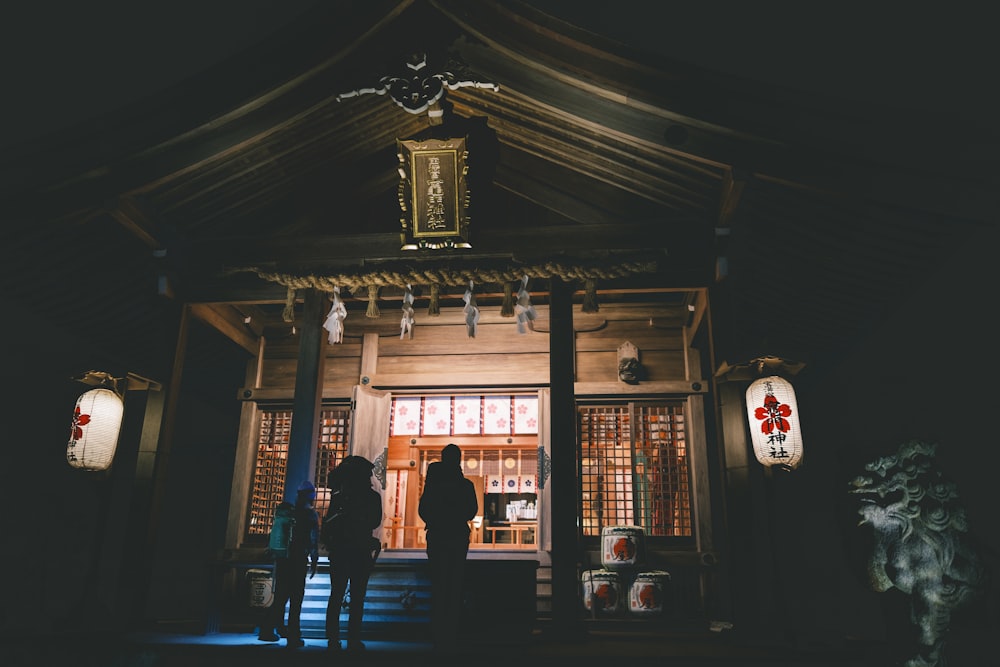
column 406, row 324
column 335, row 319
column 471, row 311
column 523, row 309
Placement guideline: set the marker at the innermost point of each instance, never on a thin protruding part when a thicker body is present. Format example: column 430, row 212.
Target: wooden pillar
column 751, row 560
column 152, row 465
column 161, row 465
column 128, row 508
column 246, row 456
column 567, row 617
column 308, row 394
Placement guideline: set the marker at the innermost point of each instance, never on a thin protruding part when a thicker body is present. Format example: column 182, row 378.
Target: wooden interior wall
column 442, row 354
column 343, row 364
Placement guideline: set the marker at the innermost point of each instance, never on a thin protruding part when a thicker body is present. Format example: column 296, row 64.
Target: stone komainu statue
column 921, row 544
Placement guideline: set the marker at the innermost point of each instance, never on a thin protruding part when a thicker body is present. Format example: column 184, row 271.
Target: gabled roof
column 808, row 218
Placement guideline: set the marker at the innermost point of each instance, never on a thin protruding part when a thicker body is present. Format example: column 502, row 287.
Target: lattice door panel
column 634, row 469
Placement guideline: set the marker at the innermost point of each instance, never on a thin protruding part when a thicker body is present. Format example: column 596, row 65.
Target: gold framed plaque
column 433, row 193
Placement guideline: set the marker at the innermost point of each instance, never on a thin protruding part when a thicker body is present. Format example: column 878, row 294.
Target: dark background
column 921, row 374
column 63, row 62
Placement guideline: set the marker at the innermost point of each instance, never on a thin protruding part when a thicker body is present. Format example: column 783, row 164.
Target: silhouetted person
column 447, row 505
column 355, row 511
column 272, row 624
column 303, row 556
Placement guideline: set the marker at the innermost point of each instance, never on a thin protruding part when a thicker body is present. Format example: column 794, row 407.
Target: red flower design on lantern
column 78, row 421
column 773, row 415
column 771, row 402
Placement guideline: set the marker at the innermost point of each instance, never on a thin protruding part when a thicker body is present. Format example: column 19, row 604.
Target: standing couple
column 348, row 533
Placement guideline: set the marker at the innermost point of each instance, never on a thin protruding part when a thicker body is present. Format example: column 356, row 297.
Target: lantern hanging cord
column 507, row 307
column 590, row 296
column 288, row 314
column 373, row 310
column 434, row 307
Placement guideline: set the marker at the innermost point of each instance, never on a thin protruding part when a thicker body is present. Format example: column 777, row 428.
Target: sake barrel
column 622, row 546
column 261, row 587
column 648, row 593
column 602, row 591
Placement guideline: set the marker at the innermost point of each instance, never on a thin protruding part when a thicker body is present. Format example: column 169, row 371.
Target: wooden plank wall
column 441, row 354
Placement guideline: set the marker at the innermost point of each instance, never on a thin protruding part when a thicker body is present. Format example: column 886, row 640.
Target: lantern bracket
column 99, row 379
column 133, row 382
column 758, row 367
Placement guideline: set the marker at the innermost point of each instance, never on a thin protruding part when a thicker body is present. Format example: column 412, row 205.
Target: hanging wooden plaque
column 433, row 194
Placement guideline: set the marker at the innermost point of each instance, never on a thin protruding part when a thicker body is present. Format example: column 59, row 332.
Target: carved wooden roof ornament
column 415, row 89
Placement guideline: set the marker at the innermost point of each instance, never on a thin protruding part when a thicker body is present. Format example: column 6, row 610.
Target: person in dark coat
column 447, row 504
column 355, row 511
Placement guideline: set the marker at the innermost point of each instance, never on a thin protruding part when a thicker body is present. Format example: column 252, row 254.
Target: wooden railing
column 520, row 535
column 523, row 535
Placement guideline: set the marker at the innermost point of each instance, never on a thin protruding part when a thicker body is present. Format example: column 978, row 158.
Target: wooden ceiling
column 807, row 218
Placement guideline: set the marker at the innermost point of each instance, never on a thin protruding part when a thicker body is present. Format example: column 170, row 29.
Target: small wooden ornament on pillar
column 629, row 368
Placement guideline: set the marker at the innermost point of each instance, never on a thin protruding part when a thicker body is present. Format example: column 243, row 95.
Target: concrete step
column 398, row 600
column 397, row 604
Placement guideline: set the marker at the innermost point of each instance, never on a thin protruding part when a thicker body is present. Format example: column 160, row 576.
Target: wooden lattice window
column 275, row 427
column 332, row 448
column 634, row 469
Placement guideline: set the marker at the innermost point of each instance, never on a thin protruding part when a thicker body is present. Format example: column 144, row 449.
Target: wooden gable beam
column 230, row 323
column 135, row 216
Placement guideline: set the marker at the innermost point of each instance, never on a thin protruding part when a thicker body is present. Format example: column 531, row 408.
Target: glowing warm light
column 97, row 421
column 773, row 415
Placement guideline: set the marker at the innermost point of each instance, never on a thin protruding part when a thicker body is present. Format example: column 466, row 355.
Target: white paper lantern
column 773, row 415
column 97, row 421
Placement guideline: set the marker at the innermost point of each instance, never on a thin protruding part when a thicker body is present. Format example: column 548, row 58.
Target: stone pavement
column 159, row 649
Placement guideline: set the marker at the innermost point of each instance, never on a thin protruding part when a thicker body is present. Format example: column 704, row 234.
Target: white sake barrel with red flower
column 648, row 592
column 622, row 547
column 602, row 591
